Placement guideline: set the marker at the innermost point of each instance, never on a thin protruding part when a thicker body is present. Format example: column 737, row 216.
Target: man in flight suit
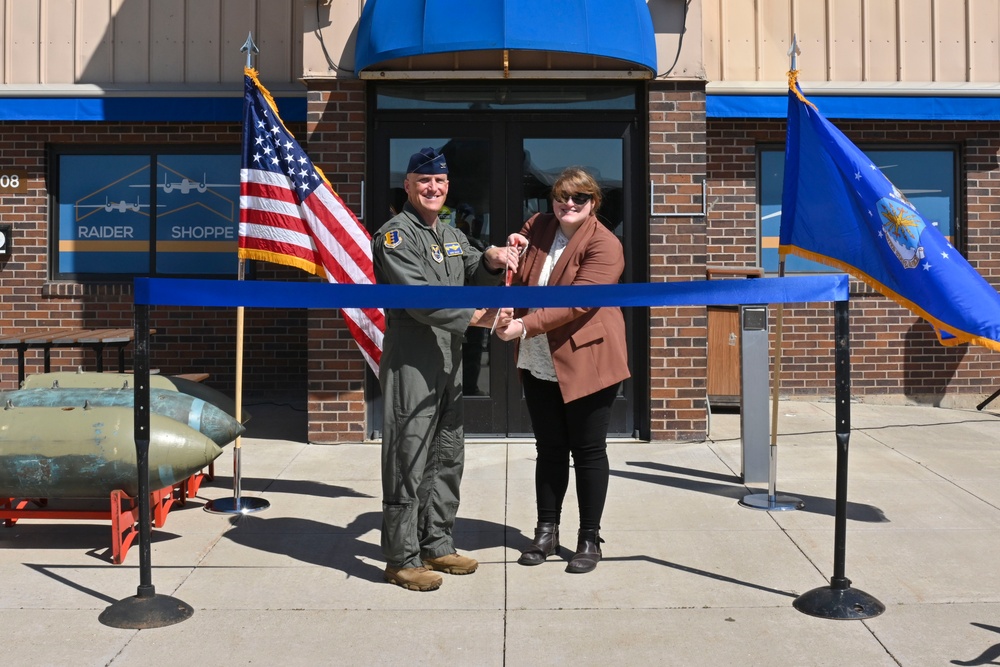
column 423, row 441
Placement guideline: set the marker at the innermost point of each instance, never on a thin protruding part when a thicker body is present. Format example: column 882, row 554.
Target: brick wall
column 187, row 339
column 678, row 361
column 895, row 357
column 336, row 377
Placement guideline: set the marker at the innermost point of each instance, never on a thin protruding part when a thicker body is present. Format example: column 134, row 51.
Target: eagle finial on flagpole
column 250, row 48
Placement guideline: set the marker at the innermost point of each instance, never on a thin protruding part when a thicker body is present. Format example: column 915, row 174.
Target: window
column 121, row 215
column 927, row 176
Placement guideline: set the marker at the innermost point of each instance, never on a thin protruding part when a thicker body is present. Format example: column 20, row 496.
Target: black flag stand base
column 146, row 610
column 838, row 601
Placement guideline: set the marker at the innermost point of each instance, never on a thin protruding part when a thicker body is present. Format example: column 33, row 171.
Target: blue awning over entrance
column 619, row 29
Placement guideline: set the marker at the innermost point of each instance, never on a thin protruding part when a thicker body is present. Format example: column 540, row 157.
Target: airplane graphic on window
column 186, row 185
column 120, row 206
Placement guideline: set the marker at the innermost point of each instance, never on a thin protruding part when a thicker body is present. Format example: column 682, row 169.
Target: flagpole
column 838, row 600
column 771, row 500
column 238, row 504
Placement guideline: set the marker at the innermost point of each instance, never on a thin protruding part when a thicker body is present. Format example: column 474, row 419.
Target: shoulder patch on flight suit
column 436, row 253
column 393, row 239
column 452, row 249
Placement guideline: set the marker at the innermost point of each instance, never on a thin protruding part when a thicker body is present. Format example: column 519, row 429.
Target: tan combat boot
column 452, row 564
column 413, row 578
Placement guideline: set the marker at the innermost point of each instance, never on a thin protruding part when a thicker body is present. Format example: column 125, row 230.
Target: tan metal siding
column 846, row 39
column 950, row 41
column 93, row 41
column 130, row 30
column 239, row 18
column 277, row 47
column 57, row 61
column 916, row 44
column 880, row 40
column 22, row 55
column 201, row 48
column 775, row 17
column 711, row 39
column 166, row 53
column 984, row 47
column 4, row 22
column 943, row 41
column 738, row 39
column 331, row 34
column 811, row 24
column 102, row 42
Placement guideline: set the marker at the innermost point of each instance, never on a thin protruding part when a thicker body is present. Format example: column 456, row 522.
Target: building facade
column 121, row 122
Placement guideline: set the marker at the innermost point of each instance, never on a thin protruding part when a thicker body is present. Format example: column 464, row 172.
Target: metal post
column 146, row 609
column 238, row 504
column 839, row 600
column 760, row 462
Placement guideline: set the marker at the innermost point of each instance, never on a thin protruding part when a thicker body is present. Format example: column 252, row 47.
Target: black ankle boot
column 545, row 544
column 588, row 552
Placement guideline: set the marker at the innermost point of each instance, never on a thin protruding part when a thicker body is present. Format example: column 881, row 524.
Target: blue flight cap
column 427, row 161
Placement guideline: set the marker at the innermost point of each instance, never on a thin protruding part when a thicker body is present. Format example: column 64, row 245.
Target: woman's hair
column 576, row 180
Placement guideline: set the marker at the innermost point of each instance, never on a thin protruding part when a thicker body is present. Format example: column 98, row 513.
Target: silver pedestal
column 766, row 501
column 237, row 504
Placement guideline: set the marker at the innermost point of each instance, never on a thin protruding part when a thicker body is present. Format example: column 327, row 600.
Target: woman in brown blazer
column 571, row 361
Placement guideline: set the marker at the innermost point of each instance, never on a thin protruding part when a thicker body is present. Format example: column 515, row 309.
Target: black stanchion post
column 839, row 600
column 145, row 609
column 988, row 400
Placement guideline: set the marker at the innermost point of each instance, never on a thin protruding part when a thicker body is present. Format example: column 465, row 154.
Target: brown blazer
column 587, row 344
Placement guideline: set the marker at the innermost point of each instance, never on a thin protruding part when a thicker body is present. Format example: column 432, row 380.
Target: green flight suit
column 423, row 439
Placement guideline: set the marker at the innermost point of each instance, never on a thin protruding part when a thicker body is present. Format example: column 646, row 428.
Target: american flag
column 290, row 214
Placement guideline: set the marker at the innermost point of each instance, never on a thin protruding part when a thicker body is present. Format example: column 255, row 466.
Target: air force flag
column 839, row 209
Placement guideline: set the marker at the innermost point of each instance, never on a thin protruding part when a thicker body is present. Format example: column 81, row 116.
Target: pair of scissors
column 506, row 283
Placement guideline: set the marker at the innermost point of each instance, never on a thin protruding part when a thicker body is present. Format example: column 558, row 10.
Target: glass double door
column 500, row 173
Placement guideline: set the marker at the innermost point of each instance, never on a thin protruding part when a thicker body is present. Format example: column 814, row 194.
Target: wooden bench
column 47, row 339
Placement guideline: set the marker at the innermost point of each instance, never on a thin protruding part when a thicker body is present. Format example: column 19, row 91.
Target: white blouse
column 535, row 356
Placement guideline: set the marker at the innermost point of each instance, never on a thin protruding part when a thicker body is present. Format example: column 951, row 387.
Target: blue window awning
column 619, row 29
column 862, row 107
column 139, row 109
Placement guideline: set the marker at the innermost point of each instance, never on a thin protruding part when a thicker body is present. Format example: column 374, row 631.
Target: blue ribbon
column 269, row 294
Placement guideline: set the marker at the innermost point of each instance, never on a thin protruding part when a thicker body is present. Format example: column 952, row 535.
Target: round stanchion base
column 243, row 505
column 765, row 501
column 141, row 613
column 838, row 603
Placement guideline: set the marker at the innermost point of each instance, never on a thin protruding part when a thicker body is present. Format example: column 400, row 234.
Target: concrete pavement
column 689, row 577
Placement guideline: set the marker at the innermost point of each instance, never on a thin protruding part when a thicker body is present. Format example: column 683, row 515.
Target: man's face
column 427, row 193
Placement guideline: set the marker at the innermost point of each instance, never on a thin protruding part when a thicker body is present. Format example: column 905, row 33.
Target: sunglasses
column 579, row 199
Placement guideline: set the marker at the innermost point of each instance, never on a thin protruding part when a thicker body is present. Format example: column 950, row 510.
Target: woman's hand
column 498, row 258
column 512, row 331
column 484, row 317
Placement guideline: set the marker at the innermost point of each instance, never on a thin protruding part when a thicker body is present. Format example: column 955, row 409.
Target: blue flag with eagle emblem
column 838, row 208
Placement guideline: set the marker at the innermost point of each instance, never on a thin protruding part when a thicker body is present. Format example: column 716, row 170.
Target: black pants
column 579, row 428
